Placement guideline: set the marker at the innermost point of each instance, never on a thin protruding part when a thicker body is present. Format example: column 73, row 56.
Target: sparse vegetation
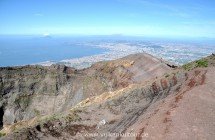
column 196, row 64
column 73, row 115
column 1, row 87
column 23, row 101
column 187, row 66
column 202, row 63
column 2, row 134
column 53, row 117
column 167, row 75
column 37, row 112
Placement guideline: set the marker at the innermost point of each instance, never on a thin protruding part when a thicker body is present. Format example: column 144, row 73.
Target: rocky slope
column 147, row 100
column 30, row 91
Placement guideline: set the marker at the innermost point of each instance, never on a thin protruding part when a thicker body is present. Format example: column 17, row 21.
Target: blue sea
column 23, row 50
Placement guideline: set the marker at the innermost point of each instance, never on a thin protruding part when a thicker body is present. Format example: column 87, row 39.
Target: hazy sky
column 193, row 18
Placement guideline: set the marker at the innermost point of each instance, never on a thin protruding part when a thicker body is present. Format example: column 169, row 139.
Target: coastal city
column 177, row 53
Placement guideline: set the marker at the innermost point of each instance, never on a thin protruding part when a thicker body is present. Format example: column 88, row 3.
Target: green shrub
column 201, row 63
column 2, row 134
column 196, row 64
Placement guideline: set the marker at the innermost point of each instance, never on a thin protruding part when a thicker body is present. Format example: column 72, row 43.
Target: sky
column 185, row 18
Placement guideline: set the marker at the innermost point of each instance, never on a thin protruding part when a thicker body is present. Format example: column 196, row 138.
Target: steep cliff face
column 30, row 91
column 24, row 88
column 178, row 105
